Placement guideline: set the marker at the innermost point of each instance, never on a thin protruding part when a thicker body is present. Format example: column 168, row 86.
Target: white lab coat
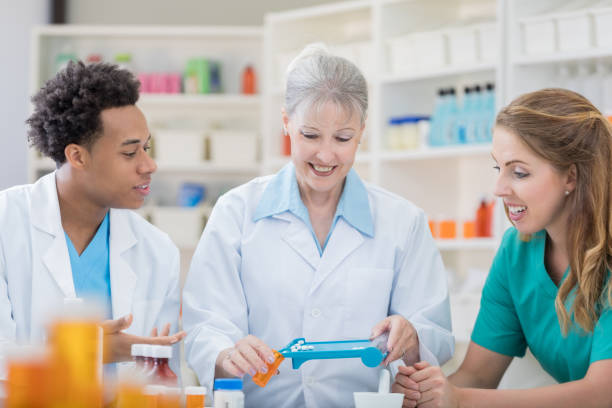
column 266, row 278
column 35, row 272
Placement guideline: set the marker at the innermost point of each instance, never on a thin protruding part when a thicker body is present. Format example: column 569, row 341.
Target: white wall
column 195, row 12
column 16, row 20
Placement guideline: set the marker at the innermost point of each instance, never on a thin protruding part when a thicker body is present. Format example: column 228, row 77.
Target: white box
column 462, row 46
column 602, row 20
column 229, row 147
column 184, row 225
column 575, row 31
column 400, row 56
column 488, row 44
column 430, row 50
column 539, row 35
column 179, row 147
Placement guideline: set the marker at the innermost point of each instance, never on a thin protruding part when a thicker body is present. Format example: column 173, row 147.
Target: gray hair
column 315, row 76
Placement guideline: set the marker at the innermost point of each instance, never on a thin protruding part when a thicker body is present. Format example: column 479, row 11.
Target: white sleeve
column 7, row 324
column 420, row 293
column 214, row 304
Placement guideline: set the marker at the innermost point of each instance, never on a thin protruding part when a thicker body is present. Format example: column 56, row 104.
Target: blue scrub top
column 282, row 194
column 517, row 311
column 91, row 270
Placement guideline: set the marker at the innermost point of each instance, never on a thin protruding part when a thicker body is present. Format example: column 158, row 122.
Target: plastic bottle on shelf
column 487, row 119
column 460, row 135
column 228, row 393
column 474, row 113
column 248, row 80
column 450, row 118
column 124, row 60
column 393, row 134
column 435, row 131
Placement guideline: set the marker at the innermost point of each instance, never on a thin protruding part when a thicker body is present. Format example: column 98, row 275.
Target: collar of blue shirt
column 282, row 194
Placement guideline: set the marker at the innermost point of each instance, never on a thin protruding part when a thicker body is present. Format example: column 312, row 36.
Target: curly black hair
column 67, row 108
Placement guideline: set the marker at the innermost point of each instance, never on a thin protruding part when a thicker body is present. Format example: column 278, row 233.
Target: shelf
column 214, row 100
column 325, row 10
column 442, row 72
column 474, row 244
column 437, row 153
column 593, row 53
column 147, row 31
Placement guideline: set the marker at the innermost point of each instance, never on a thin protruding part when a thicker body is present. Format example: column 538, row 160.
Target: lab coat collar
column 46, row 220
column 282, row 194
column 123, row 277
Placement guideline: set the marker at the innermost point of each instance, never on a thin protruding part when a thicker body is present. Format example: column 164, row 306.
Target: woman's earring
column 567, row 192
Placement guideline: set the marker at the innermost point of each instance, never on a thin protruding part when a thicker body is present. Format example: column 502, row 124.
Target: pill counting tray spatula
column 300, row 351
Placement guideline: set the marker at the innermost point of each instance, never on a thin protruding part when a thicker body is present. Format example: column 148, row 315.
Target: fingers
column 255, row 362
column 406, row 382
column 117, row 325
column 380, row 328
column 230, row 366
column 166, row 330
column 421, row 365
column 427, row 373
column 153, row 332
column 407, row 370
column 411, row 398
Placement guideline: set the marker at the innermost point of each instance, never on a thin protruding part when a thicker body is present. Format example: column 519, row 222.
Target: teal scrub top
column 91, row 270
column 517, row 311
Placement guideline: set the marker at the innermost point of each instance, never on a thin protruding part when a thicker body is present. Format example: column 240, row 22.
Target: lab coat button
column 315, row 313
column 310, row 381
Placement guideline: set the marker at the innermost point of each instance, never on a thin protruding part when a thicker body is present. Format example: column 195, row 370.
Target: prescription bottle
column 195, row 397
column 152, row 396
column 170, row 398
column 161, row 372
column 228, row 393
column 262, row 379
column 138, row 355
column 27, row 377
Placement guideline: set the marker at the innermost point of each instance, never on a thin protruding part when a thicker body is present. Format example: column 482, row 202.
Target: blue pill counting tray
column 300, row 351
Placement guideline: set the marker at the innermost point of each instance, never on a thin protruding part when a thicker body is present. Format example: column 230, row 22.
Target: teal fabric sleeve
column 602, row 337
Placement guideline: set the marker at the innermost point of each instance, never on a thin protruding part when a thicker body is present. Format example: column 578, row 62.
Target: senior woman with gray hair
column 314, row 252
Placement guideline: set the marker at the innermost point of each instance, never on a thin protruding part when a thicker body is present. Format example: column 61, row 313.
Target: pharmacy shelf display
column 210, row 116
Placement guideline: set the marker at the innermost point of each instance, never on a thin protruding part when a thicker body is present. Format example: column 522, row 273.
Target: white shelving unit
column 167, row 49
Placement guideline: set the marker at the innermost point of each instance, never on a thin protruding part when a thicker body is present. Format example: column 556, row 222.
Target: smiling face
column 118, row 168
column 323, row 146
column 532, row 189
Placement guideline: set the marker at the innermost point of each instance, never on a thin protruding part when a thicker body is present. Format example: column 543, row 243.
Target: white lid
column 138, row 350
column 154, row 389
column 162, row 352
column 174, row 391
column 192, row 390
column 147, row 350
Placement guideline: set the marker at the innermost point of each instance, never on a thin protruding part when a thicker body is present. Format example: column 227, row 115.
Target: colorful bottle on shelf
column 248, row 80
column 161, row 373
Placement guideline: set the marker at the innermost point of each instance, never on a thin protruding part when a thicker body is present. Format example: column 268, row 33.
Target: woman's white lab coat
column 266, row 278
column 35, row 272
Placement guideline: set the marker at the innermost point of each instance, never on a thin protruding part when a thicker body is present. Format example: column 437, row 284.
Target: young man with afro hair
column 72, row 234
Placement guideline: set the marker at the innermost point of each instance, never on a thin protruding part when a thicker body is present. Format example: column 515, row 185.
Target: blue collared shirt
column 282, row 194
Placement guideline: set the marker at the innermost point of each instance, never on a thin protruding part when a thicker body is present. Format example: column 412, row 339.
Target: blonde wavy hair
column 565, row 129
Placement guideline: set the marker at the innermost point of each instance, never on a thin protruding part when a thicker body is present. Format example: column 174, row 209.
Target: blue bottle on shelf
column 488, row 114
column 474, row 128
column 451, row 119
column 435, row 131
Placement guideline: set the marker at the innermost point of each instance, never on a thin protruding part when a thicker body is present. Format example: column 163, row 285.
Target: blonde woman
column 548, row 288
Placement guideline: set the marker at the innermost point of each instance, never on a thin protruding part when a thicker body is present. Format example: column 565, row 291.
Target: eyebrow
column 510, row 162
column 134, row 141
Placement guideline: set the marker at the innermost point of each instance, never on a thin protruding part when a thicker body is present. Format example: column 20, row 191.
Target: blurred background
column 212, row 89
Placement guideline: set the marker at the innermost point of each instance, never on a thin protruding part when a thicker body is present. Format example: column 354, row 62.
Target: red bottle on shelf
column 161, row 373
column 248, row 81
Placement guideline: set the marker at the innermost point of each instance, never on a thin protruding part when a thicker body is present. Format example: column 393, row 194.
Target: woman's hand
column 435, row 389
column 405, row 385
column 248, row 356
column 118, row 345
column 403, row 340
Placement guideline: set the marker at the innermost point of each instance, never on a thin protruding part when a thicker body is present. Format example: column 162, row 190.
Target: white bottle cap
column 138, row 350
column 154, row 390
column 162, row 352
column 192, row 390
column 147, row 350
column 172, row 391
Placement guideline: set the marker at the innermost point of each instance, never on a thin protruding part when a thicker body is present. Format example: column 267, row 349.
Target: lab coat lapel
column 123, row 278
column 344, row 240
column 299, row 238
column 46, row 222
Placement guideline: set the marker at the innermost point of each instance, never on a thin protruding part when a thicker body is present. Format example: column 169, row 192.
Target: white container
column 400, row 56
column 575, row 31
column 602, row 19
column 229, row 399
column 184, row 225
column 377, row 400
column 179, row 147
column 538, row 35
column 430, row 50
column 462, row 46
column 228, row 147
column 488, row 45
